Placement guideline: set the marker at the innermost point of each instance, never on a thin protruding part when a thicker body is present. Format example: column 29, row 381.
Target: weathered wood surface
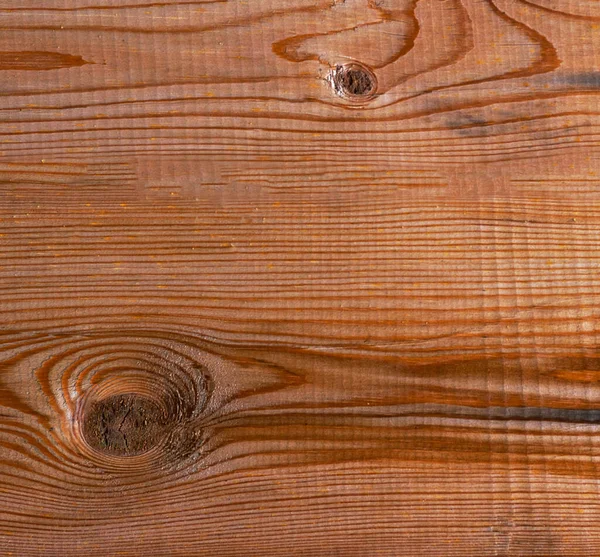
column 299, row 278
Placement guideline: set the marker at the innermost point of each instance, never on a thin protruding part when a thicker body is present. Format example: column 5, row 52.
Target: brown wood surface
column 292, row 277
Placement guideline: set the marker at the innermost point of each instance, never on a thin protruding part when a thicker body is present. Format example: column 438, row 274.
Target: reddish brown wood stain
column 299, row 278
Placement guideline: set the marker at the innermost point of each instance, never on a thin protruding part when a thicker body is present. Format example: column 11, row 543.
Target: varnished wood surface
column 299, row 278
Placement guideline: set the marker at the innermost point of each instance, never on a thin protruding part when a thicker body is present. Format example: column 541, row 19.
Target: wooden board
column 298, row 277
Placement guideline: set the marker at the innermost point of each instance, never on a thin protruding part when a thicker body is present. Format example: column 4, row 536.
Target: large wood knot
column 124, row 425
column 139, row 407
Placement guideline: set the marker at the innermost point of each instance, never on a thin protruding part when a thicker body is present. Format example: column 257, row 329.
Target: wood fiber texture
column 299, row 278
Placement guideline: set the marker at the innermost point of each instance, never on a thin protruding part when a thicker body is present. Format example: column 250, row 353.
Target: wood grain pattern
column 299, row 278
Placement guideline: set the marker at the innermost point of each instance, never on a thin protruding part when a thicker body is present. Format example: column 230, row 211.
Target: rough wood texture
column 299, row 278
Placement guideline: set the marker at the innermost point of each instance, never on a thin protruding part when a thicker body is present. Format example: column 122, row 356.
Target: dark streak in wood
column 33, row 61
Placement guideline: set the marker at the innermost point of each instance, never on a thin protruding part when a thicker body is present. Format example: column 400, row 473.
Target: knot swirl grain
column 131, row 403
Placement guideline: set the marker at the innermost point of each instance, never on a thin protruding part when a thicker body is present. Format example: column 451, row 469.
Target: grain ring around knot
column 137, row 402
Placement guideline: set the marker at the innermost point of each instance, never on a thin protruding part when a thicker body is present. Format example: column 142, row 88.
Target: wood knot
column 354, row 82
column 124, row 425
column 139, row 411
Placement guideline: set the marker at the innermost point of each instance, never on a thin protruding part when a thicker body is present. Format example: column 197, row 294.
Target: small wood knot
column 354, row 81
column 124, row 425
